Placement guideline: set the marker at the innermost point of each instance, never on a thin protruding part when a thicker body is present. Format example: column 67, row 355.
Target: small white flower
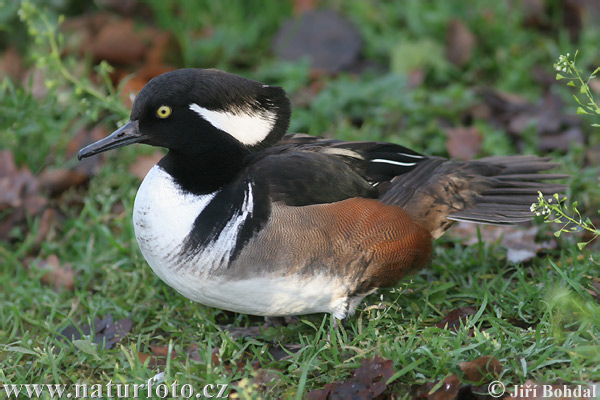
column 564, row 70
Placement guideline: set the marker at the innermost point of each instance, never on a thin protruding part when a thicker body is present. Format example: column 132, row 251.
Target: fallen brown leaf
column 302, row 6
column 127, row 7
column 144, row 356
column 154, row 360
column 83, row 137
column 416, row 77
column 161, row 49
column 143, row 164
column 367, row 382
column 505, row 108
column 19, row 194
column 88, row 166
column 133, row 84
column 460, row 42
column 131, row 88
column 11, row 64
column 193, row 352
column 463, row 142
column 106, row 332
column 266, row 377
column 481, row 368
column 328, row 40
column 594, row 288
column 18, row 187
column 119, row 42
column 35, row 78
column 214, row 356
column 159, row 356
column 563, row 140
column 555, row 129
column 518, row 240
column 281, row 352
column 592, row 156
column 80, row 31
column 455, row 318
column 59, row 276
column 594, row 84
column 56, row 181
column 448, row 391
column 572, row 13
column 47, row 224
column 534, row 13
column 549, row 119
column 161, row 351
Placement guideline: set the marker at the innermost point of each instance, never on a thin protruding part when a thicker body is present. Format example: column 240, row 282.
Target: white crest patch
column 248, row 128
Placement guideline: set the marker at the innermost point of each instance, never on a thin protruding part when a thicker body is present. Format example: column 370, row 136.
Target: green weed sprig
column 560, row 213
column 45, row 31
column 566, row 69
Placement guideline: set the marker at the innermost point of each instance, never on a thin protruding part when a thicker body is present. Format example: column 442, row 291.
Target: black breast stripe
column 226, row 206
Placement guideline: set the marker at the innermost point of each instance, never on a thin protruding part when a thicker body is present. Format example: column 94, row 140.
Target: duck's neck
column 206, row 172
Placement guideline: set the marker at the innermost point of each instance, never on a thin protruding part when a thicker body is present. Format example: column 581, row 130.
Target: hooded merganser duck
column 243, row 216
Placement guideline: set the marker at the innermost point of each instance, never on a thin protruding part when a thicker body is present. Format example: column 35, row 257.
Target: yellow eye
column 163, row 112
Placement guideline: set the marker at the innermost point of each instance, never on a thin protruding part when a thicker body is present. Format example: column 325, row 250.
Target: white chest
column 164, row 215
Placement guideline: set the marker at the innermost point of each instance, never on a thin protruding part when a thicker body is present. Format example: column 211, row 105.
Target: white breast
column 163, row 216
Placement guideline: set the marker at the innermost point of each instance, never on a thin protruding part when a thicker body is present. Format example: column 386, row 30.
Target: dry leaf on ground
column 119, row 42
column 481, row 368
column 143, row 164
column 447, row 391
column 463, row 142
column 59, row 276
column 330, row 41
column 460, row 42
column 11, row 64
column 367, row 382
column 518, row 240
column 20, row 194
column 455, row 318
column 106, row 331
column 56, row 181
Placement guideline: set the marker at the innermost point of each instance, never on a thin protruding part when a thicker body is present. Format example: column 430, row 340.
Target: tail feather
column 492, row 190
column 513, row 190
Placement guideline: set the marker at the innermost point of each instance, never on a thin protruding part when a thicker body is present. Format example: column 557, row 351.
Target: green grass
column 537, row 318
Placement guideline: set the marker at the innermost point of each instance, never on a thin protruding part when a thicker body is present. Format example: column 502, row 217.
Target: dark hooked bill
column 125, row 135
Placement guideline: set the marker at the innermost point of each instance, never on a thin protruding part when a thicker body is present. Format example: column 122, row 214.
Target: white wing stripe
column 381, row 160
column 411, row 155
